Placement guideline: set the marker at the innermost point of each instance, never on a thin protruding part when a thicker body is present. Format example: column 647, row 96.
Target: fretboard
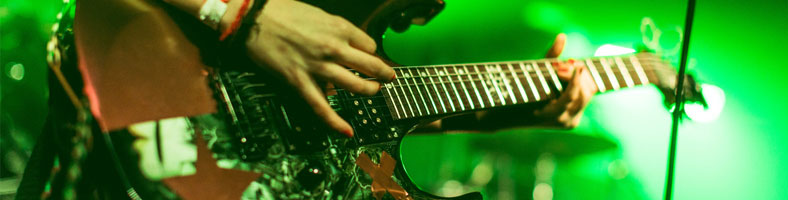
column 422, row 91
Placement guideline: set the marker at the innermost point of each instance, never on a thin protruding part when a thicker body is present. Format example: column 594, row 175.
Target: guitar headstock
column 664, row 76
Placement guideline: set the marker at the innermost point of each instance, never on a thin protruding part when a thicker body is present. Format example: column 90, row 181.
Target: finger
column 584, row 93
column 343, row 78
column 576, row 106
column 359, row 39
column 561, row 104
column 566, row 120
column 366, row 63
column 558, row 46
column 565, row 69
column 313, row 96
column 588, row 82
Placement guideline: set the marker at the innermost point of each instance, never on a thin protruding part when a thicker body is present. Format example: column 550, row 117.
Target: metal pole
column 677, row 113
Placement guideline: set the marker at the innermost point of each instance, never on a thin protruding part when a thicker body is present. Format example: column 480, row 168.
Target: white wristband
column 211, row 12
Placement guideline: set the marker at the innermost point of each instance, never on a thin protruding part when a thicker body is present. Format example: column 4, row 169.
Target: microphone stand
column 677, row 113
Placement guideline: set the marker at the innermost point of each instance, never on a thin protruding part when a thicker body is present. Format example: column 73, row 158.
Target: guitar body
column 272, row 131
column 260, row 122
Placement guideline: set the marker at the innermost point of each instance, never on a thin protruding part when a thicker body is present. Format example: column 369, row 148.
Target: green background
column 736, row 45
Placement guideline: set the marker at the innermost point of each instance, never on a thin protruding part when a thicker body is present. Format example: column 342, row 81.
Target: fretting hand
column 565, row 112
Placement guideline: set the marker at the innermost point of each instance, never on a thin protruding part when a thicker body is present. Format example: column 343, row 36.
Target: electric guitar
column 268, row 127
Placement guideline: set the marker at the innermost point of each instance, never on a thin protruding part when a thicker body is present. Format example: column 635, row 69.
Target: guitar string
column 615, row 68
column 448, row 78
column 447, row 96
column 540, row 61
column 648, row 62
column 452, row 81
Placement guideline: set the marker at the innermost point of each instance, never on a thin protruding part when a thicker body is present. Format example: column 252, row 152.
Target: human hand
column 567, row 110
column 305, row 45
column 564, row 112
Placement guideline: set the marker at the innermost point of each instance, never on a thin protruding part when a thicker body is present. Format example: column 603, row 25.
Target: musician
column 311, row 50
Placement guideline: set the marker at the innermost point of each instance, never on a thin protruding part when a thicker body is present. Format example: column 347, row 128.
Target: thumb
column 558, row 46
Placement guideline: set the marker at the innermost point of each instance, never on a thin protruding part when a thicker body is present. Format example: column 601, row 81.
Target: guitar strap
column 137, row 65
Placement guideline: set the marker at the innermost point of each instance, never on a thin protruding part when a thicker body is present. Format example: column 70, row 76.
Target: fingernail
column 393, row 77
column 348, row 133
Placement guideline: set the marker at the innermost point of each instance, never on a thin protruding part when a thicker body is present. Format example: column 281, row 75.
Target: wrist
column 233, row 7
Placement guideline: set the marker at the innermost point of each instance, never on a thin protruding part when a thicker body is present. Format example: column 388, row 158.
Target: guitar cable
column 130, row 191
column 677, row 113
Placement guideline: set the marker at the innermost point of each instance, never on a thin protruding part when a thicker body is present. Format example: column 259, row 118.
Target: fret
column 473, row 84
column 449, row 73
column 594, row 73
column 464, row 87
column 631, row 70
column 528, row 78
column 459, row 73
column 517, row 81
column 542, row 80
column 422, row 73
column 554, row 76
column 624, row 71
column 495, row 83
column 412, row 94
column 620, row 79
column 610, row 75
column 437, row 91
column 445, row 90
column 399, row 97
column 484, row 85
column 421, row 95
column 602, row 73
column 388, row 87
column 507, row 83
column 639, row 70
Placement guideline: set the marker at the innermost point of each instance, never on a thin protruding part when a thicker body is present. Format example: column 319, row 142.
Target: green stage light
column 15, row 71
column 612, row 50
column 715, row 100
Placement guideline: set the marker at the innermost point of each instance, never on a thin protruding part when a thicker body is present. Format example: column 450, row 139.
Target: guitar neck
column 424, row 91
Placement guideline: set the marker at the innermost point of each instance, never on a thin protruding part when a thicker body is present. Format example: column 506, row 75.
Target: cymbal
column 532, row 143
